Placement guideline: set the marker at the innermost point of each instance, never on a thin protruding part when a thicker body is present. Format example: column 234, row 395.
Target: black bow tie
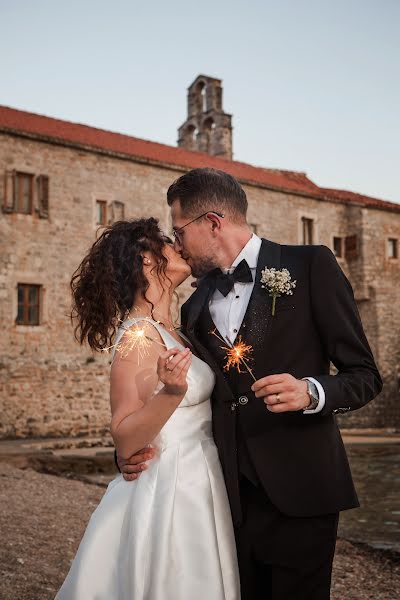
column 224, row 281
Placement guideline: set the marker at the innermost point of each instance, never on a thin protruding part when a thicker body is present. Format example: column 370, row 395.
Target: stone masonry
column 49, row 385
column 207, row 128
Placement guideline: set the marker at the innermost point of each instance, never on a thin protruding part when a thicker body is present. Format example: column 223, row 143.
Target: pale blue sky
column 312, row 85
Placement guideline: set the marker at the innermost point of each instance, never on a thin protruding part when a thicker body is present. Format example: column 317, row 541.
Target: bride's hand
column 132, row 467
column 172, row 368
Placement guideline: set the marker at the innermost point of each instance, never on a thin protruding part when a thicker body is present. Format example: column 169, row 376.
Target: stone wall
column 49, row 386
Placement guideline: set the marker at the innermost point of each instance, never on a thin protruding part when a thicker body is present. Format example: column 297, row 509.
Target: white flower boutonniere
column 277, row 282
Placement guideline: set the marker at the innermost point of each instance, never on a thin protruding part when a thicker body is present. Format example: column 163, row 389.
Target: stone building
column 61, row 181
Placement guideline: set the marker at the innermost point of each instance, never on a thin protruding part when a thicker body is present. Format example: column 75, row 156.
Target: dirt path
column 42, row 518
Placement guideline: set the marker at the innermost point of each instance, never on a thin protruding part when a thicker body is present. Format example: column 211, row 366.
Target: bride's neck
column 156, row 304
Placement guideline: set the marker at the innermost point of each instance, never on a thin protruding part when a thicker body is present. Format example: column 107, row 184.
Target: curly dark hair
column 105, row 284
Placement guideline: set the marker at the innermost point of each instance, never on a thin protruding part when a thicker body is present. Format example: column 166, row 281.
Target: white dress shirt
column 228, row 311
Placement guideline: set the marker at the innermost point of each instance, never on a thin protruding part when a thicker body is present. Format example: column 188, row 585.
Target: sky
column 313, row 85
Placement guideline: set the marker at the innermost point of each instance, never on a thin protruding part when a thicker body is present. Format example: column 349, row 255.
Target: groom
column 284, row 462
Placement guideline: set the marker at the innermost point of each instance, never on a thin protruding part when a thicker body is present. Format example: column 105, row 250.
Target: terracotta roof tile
column 347, row 196
column 23, row 122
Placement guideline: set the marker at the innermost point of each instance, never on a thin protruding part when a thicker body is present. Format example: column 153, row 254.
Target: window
column 26, row 193
column 117, row 211
column 392, row 248
column 253, row 227
column 28, row 304
column 23, row 193
column 351, row 247
column 42, row 183
column 101, row 212
column 308, row 227
column 338, row 247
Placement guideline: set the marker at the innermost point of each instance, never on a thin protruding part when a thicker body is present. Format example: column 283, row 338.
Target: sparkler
column 236, row 355
column 135, row 338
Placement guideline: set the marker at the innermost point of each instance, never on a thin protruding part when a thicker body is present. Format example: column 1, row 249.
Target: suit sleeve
column 342, row 335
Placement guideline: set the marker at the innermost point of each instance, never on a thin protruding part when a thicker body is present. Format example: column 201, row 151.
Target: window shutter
column 9, row 192
column 351, row 247
column 43, row 196
column 117, row 211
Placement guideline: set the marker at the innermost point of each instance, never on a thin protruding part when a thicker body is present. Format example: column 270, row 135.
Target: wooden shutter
column 43, row 196
column 351, row 247
column 9, row 192
column 117, row 211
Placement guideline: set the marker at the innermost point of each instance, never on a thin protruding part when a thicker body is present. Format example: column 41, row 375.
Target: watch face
column 313, row 389
column 313, row 394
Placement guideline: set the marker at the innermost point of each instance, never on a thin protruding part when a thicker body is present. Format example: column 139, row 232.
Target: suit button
column 243, row 400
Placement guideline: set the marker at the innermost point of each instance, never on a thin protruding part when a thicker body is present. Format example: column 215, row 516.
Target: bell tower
column 207, row 128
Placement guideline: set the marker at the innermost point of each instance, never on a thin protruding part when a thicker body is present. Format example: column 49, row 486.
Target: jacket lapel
column 256, row 326
column 269, row 257
column 197, row 302
column 260, row 304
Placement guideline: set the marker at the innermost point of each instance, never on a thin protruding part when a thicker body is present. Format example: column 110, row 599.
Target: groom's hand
column 282, row 393
column 135, row 464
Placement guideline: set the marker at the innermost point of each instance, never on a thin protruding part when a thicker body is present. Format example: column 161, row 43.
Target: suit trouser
column 282, row 557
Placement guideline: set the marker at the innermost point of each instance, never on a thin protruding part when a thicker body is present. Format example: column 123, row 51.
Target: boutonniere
column 277, row 282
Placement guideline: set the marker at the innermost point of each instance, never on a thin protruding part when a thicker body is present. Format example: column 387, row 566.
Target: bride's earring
column 147, row 261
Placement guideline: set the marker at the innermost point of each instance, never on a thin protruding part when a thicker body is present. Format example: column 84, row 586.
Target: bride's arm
column 137, row 415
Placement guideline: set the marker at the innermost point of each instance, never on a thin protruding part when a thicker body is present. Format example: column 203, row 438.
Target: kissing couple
column 232, row 478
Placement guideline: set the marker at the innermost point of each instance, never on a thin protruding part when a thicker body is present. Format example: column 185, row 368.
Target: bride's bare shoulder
column 140, row 342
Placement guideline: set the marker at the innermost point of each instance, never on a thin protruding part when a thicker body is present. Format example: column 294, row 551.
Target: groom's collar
column 249, row 253
column 269, row 256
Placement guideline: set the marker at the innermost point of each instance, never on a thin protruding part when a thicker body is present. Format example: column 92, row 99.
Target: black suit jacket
column 300, row 459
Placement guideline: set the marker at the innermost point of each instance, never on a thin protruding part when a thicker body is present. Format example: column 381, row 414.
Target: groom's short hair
column 209, row 189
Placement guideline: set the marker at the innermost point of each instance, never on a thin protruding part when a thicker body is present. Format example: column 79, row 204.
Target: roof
column 354, row 198
column 57, row 131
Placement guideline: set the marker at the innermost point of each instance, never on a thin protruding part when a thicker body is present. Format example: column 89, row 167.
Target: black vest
column 252, row 332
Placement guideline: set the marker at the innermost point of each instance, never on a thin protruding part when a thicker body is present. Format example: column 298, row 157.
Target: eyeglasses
column 177, row 233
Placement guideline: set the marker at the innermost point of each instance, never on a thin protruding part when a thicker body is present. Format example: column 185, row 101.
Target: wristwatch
column 312, row 392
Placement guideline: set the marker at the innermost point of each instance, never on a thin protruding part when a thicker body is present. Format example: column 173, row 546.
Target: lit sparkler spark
column 236, row 355
column 134, row 338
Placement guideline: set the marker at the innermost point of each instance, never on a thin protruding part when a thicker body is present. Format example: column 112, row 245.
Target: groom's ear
column 215, row 221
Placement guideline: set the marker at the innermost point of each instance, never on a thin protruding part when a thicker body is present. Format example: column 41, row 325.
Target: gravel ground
column 42, row 518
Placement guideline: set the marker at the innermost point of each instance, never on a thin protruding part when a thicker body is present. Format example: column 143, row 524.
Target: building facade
column 61, row 182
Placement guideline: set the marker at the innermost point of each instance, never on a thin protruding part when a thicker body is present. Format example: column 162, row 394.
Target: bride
column 168, row 535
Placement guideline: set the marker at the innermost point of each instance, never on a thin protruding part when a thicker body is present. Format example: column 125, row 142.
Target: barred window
column 23, row 193
column 338, row 247
column 254, row 227
column 101, row 212
column 308, row 230
column 351, row 247
column 392, row 248
column 28, row 304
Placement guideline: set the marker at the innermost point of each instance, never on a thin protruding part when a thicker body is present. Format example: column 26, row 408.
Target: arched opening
column 204, row 99
column 190, row 136
column 208, row 129
column 201, row 97
column 209, row 124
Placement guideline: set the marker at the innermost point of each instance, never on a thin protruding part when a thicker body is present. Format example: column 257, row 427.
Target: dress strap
column 129, row 322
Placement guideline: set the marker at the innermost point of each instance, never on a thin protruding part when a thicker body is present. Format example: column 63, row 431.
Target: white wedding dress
column 167, row 535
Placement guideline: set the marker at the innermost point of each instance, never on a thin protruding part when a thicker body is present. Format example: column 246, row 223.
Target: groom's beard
column 201, row 266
